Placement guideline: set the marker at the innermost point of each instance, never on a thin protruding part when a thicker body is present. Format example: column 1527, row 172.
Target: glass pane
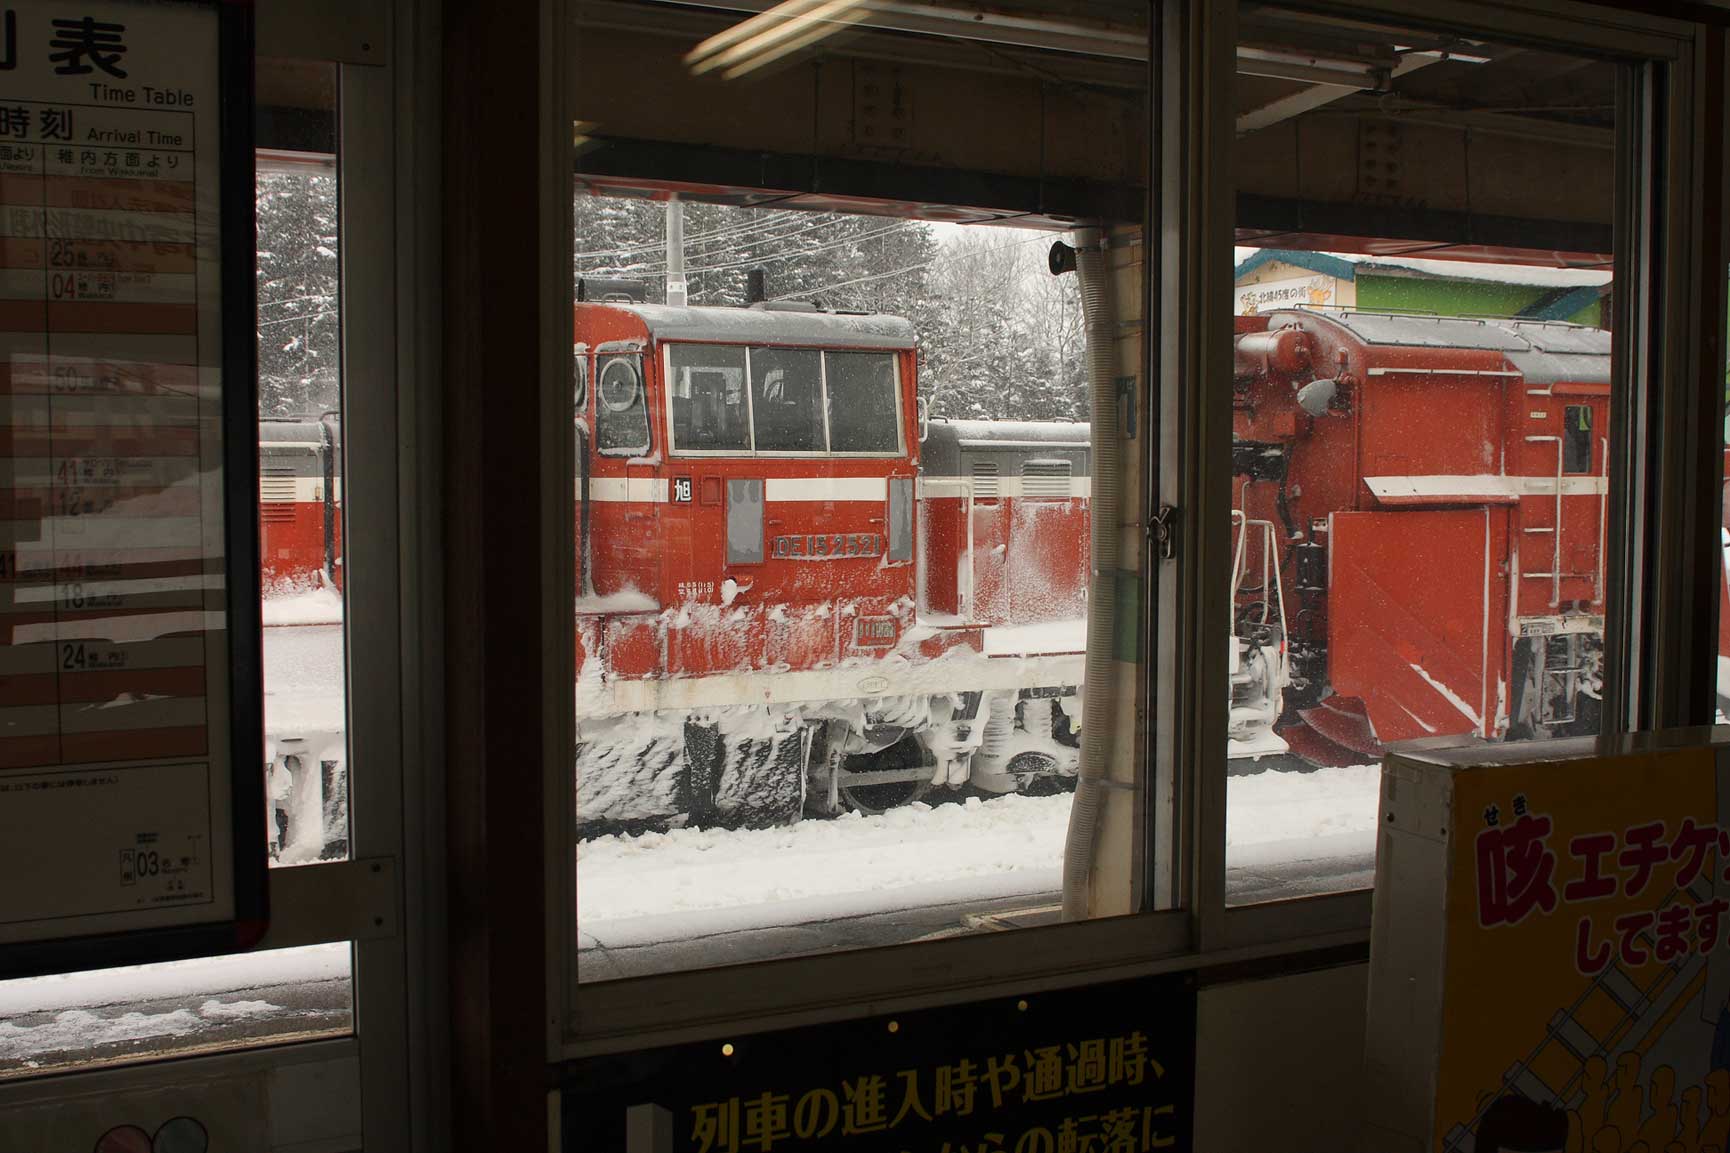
column 832, row 647
column 623, row 412
column 105, row 1016
column 862, row 409
column 1421, row 413
column 301, row 507
column 787, row 399
column 709, row 407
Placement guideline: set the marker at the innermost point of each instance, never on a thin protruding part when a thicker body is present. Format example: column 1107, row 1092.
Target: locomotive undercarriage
column 1558, row 685
column 743, row 767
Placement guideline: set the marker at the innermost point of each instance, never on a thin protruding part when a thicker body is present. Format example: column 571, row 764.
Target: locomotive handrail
column 1556, row 533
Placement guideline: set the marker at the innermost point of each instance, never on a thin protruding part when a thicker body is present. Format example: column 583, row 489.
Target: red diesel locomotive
column 797, row 595
column 781, row 608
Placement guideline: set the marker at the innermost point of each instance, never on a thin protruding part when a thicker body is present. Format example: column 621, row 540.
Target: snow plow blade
column 1335, row 732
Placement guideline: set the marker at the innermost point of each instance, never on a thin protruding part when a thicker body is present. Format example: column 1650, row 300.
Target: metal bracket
column 1164, row 528
column 1126, row 407
column 332, row 901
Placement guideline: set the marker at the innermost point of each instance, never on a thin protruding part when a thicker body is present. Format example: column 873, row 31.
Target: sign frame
column 248, row 876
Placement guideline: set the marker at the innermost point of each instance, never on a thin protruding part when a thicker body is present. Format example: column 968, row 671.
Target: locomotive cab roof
column 770, row 326
column 1544, row 351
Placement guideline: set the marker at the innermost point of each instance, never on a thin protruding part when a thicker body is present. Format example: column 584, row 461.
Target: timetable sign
column 115, row 731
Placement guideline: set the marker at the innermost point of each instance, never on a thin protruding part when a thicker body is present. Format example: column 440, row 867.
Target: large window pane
column 862, row 407
column 1421, row 421
column 832, row 643
column 710, row 411
column 787, row 399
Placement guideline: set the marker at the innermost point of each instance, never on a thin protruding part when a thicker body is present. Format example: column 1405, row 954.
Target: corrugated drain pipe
column 1098, row 735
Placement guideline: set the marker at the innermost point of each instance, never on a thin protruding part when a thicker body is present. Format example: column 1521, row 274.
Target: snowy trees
column 298, row 322
column 1000, row 338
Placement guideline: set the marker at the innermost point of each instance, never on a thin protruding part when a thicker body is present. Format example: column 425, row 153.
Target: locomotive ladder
column 1641, row 1014
column 1554, row 528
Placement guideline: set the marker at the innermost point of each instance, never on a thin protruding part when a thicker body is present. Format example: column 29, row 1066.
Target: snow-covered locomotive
column 300, row 503
column 1439, row 489
column 796, row 594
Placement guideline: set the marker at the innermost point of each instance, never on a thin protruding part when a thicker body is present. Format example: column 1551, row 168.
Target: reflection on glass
column 819, row 707
column 1420, row 444
column 105, row 1016
column 301, row 509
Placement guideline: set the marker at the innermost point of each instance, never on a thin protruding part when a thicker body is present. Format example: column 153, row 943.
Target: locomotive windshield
column 799, row 400
column 708, row 402
column 862, row 409
column 787, row 399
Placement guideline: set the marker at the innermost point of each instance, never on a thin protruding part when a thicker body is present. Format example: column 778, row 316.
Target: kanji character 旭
column 1631, row 926
column 910, row 1102
column 866, row 1110
column 1673, row 926
column 1592, row 883
column 816, row 1114
column 1644, row 848
column 83, row 43
column 1708, row 918
column 1587, row 960
column 1692, row 841
column 1516, row 871
column 766, row 1121
column 715, row 1126
column 954, row 1088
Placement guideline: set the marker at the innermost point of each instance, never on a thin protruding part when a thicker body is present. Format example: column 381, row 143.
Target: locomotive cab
column 751, row 471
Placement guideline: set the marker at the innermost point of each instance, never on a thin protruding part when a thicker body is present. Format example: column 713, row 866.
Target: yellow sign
column 1587, row 963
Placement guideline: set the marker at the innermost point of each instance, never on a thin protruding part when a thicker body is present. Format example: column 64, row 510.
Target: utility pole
column 676, row 252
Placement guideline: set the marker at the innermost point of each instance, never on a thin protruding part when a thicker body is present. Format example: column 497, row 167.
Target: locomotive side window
column 623, row 413
column 787, row 400
column 580, row 377
column 709, row 406
column 1577, row 438
column 863, row 413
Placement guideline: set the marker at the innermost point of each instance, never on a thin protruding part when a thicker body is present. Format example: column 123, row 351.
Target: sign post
column 131, row 808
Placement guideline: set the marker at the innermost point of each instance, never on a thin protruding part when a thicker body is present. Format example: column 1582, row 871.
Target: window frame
column 755, row 453
column 1186, row 252
column 612, row 353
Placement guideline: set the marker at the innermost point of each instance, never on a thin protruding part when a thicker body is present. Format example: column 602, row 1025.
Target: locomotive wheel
column 877, row 797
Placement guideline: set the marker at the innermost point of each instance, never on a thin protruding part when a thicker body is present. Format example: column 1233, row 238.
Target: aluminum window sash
column 1565, row 25
column 374, row 595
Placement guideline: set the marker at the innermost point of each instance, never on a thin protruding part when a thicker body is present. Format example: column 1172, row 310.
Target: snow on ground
column 1276, row 807
column 696, row 882
column 175, row 1000
column 306, row 606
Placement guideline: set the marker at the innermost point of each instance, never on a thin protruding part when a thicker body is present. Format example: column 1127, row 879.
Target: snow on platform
column 691, row 883
column 1036, row 640
column 313, row 606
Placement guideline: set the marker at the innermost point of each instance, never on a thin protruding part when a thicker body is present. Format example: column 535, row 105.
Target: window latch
column 1164, row 527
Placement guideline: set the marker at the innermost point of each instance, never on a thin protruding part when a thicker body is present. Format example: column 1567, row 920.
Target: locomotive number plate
column 829, row 546
column 681, row 490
